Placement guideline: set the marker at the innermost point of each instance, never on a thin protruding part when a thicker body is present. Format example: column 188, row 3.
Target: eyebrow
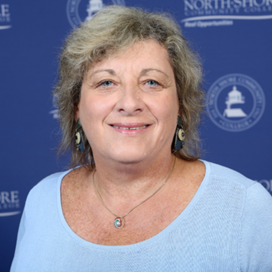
column 110, row 71
column 145, row 71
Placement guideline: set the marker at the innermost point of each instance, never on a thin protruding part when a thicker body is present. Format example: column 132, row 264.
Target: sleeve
column 20, row 236
column 256, row 231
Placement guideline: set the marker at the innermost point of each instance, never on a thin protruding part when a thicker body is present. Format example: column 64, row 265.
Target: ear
column 77, row 115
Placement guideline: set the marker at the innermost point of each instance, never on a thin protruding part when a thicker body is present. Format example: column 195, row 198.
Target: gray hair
column 111, row 30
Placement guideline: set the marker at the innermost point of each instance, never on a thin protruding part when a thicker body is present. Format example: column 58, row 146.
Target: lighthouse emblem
column 93, row 7
column 234, row 97
column 79, row 11
column 235, row 102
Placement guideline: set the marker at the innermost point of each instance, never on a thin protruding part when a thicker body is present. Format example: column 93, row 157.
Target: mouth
column 130, row 128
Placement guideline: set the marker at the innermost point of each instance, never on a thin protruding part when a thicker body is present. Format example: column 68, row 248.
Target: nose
column 130, row 101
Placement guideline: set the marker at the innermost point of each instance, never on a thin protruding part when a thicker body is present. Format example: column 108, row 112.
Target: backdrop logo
column 205, row 13
column 267, row 184
column 4, row 17
column 78, row 12
column 55, row 111
column 236, row 102
column 9, row 203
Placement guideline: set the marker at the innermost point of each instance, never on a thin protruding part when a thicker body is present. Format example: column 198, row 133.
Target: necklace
column 119, row 221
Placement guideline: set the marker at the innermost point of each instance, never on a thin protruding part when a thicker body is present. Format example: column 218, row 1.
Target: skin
column 128, row 110
column 134, row 89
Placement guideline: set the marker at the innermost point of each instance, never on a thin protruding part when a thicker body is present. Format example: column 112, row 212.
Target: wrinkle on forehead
column 121, row 51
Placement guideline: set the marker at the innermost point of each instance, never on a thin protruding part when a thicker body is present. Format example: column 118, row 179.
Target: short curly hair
column 116, row 28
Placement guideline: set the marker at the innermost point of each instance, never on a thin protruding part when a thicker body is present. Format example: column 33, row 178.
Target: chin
column 130, row 157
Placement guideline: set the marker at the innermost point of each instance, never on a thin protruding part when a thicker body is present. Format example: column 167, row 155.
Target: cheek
column 87, row 108
column 167, row 108
column 167, row 114
column 93, row 107
column 171, row 109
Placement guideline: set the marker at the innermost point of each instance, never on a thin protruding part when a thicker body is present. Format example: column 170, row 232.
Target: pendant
column 119, row 222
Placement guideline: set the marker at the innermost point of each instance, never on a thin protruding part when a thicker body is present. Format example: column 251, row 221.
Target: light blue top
column 226, row 227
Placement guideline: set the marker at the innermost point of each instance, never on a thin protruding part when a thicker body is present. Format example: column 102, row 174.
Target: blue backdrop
column 233, row 38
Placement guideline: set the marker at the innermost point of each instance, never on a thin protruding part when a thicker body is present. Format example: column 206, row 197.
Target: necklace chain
column 118, row 219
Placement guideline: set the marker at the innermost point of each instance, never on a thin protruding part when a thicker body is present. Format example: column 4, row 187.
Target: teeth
column 132, row 128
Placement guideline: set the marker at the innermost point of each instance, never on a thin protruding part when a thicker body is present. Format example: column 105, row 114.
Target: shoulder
column 224, row 174
column 45, row 187
column 254, row 206
column 255, row 199
column 254, row 193
column 228, row 184
column 49, row 181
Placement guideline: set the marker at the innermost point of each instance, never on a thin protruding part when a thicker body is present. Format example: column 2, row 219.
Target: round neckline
column 154, row 238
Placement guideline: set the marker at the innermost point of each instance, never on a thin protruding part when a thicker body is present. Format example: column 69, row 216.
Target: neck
column 127, row 184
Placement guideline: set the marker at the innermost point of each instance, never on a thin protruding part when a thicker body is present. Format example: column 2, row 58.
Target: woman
column 128, row 92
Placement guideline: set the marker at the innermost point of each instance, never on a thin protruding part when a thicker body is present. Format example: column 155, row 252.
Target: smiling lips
column 128, row 128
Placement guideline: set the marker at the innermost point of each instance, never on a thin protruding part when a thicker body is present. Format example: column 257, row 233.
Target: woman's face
column 129, row 106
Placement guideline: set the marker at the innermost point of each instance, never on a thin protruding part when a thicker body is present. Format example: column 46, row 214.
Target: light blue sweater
column 226, row 227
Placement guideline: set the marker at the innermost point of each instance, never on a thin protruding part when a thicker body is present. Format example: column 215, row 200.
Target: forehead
column 141, row 54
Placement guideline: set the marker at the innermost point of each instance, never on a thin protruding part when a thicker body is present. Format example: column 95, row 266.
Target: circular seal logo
column 79, row 11
column 236, row 102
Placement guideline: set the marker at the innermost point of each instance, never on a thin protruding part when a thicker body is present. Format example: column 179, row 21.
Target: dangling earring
column 79, row 141
column 179, row 137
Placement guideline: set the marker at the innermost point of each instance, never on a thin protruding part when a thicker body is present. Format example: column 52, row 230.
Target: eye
column 105, row 83
column 152, row 83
